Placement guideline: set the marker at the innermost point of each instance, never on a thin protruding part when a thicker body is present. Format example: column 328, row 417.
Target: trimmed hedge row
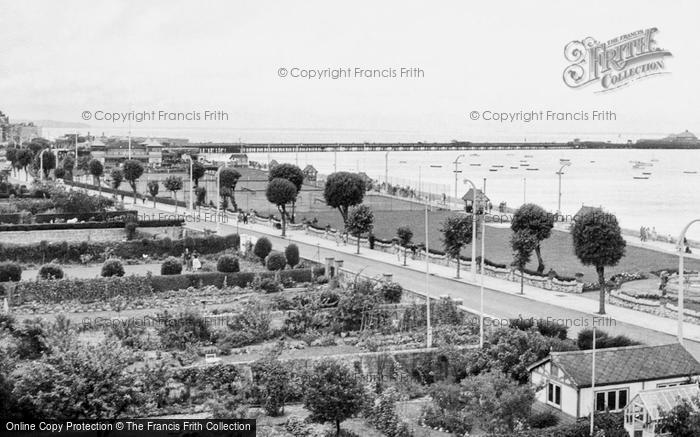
column 13, row 219
column 89, row 225
column 125, row 193
column 101, row 289
column 65, row 252
column 98, row 216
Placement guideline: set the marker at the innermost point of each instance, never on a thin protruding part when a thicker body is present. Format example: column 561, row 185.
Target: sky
column 59, row 59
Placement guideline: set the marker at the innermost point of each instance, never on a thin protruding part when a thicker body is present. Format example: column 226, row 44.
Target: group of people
column 190, row 260
column 243, row 217
column 646, row 234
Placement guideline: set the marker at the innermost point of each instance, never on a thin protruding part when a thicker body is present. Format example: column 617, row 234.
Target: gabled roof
column 309, row 168
column 625, row 364
column 480, row 196
column 659, row 400
column 586, row 209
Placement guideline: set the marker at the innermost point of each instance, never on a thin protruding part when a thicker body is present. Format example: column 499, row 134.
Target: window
column 612, row 400
column 554, row 394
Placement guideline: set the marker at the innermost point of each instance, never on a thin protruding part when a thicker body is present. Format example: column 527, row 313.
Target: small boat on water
column 646, row 173
column 528, row 156
column 474, row 154
column 497, row 166
column 524, row 165
column 532, row 169
column 654, row 160
column 493, row 169
column 640, row 164
column 640, row 177
column 475, row 165
column 690, row 172
column 592, row 162
column 514, row 168
column 564, row 160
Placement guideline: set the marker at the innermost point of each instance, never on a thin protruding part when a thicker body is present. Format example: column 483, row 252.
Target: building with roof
column 238, row 159
column 643, row 412
column 310, row 173
column 564, row 379
column 481, row 200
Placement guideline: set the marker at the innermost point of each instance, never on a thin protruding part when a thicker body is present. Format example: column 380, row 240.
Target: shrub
column 392, row 292
column 188, row 328
column 51, row 271
column 276, row 262
column 268, row 285
column 384, row 417
column 227, row 264
column 112, row 267
column 171, row 266
column 10, row 272
column 130, row 228
column 291, row 253
column 603, row 340
column 271, row 384
column 262, row 248
column 544, row 419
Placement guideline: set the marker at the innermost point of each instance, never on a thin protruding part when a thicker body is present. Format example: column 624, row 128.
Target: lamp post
column 386, row 170
column 473, row 261
column 191, row 203
column 429, row 336
column 41, row 164
column 524, row 190
column 218, row 197
column 681, row 279
column 457, row 172
column 481, row 282
column 560, row 172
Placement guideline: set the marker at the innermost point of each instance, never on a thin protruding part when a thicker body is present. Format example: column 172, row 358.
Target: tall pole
column 386, row 169
column 296, row 156
column 75, row 163
column 473, row 261
column 456, row 163
column 593, row 382
column 191, row 202
column 681, row 280
column 427, row 276
column 218, row 197
column 560, row 172
column 524, row 189
column 481, row 284
column 335, row 159
column 129, row 138
column 41, row 165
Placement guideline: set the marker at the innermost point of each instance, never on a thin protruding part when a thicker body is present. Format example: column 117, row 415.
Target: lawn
column 557, row 251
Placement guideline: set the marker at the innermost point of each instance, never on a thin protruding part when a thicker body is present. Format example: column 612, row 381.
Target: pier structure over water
column 420, row 146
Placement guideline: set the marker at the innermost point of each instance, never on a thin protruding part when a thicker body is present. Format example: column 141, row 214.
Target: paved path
column 501, row 298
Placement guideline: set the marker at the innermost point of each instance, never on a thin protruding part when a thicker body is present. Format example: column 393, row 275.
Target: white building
column 643, row 412
column 563, row 379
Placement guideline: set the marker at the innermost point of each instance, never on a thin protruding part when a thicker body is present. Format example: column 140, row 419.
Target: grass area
column 557, row 251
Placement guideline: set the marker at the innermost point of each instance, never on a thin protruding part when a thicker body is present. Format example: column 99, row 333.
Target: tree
column 117, row 177
column 598, row 242
column 11, row 156
column 67, row 164
column 24, row 158
column 262, row 248
column 280, row 192
column 343, row 190
column 271, row 384
column 48, row 159
column 333, row 393
column 293, row 174
column 96, row 170
column 200, row 196
column 291, row 253
column 228, row 178
column 360, row 221
column 405, row 235
column 133, row 170
column 523, row 243
column 456, row 233
column 78, row 382
column 173, row 184
column 153, row 188
column 538, row 222
column 198, row 171
column 683, row 420
column 496, row 402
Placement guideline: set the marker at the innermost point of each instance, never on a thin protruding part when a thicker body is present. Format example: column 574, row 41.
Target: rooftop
column 658, row 400
column 625, row 364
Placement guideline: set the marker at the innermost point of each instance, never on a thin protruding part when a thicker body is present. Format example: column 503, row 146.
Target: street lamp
column 560, row 172
column 681, row 279
column 41, row 164
column 386, row 170
column 189, row 157
column 218, row 196
column 473, row 262
column 457, row 172
column 481, row 283
column 429, row 336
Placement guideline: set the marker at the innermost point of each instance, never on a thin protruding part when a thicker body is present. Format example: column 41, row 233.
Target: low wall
column 496, row 272
column 55, row 235
column 172, row 232
column 656, row 307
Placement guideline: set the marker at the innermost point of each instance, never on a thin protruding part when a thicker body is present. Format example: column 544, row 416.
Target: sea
column 658, row 189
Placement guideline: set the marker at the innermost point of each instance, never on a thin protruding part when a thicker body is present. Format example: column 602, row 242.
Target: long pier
column 454, row 146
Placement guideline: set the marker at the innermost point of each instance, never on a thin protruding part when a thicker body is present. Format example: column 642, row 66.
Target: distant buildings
column 17, row 132
column 310, row 173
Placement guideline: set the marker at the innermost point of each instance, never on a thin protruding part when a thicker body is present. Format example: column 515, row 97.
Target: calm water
column 667, row 200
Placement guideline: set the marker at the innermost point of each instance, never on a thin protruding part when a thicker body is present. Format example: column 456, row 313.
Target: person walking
column 196, row 263
column 187, row 260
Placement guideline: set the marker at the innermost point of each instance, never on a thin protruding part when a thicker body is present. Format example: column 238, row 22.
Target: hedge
column 11, row 218
column 127, row 193
column 97, row 216
column 101, row 289
column 88, row 225
column 64, row 251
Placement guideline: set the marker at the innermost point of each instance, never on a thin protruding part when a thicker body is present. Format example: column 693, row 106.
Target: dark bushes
column 291, row 253
column 51, row 271
column 112, row 267
column 227, row 264
column 276, row 262
column 10, row 272
column 603, row 340
column 171, row 266
column 262, row 248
